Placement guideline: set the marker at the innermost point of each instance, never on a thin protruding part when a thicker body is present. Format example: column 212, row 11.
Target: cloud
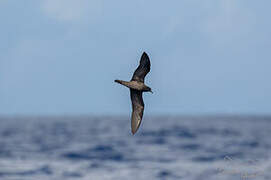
column 71, row 10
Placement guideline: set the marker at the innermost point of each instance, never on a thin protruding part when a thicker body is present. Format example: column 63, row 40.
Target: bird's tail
column 124, row 83
column 118, row 81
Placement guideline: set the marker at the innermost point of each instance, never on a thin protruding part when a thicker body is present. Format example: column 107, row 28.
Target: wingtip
column 134, row 131
column 144, row 54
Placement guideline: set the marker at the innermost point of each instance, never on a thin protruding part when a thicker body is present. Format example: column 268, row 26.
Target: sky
column 61, row 57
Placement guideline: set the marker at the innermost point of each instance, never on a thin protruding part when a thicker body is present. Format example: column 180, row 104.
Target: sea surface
column 165, row 147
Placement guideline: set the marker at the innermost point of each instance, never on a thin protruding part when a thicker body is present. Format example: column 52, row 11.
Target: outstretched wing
column 138, row 108
column 143, row 68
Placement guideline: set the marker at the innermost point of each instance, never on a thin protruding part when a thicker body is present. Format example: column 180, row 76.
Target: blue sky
column 62, row 56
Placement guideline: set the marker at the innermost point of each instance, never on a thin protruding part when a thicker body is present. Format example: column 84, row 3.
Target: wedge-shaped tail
column 125, row 83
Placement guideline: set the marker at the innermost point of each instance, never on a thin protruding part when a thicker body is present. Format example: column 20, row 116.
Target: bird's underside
column 137, row 87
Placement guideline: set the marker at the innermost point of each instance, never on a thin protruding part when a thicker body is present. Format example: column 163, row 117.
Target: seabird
column 137, row 87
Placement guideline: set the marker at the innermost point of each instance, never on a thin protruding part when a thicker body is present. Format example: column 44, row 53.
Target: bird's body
column 137, row 87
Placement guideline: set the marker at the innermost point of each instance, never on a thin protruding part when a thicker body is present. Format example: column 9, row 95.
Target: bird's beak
column 151, row 91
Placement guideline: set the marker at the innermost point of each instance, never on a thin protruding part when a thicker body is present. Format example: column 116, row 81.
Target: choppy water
column 214, row 148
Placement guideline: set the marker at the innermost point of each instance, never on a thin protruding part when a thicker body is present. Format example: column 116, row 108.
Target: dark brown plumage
column 137, row 87
column 143, row 69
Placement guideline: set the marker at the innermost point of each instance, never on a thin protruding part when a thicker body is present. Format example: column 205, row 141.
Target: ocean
column 165, row 147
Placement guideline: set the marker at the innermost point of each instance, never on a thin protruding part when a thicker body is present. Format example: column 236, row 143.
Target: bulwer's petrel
column 137, row 87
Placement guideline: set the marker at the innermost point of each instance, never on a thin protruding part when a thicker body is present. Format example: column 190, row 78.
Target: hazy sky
column 62, row 56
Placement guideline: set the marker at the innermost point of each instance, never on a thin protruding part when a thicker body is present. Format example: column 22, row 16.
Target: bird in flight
column 137, row 87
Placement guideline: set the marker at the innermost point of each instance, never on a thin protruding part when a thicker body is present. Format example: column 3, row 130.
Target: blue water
column 190, row 148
